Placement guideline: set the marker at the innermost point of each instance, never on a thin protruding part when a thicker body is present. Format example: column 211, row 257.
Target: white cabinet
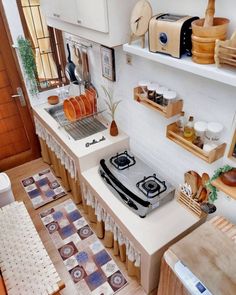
column 93, row 14
column 64, row 10
column 102, row 21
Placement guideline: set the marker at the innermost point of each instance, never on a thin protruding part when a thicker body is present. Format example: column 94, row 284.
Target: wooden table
column 210, row 253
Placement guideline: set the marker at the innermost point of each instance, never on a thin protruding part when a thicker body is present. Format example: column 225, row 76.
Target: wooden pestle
column 209, row 15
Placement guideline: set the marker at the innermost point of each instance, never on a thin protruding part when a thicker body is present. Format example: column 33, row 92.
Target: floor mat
column 90, row 266
column 43, row 188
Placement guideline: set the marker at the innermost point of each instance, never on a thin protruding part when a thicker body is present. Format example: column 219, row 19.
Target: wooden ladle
column 209, row 15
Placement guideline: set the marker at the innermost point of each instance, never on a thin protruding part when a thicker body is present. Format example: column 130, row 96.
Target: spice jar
column 213, row 132
column 169, row 97
column 144, row 86
column 151, row 92
column 159, row 94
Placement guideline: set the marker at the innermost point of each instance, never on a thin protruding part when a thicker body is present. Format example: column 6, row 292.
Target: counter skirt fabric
column 62, row 164
column 107, row 229
column 54, row 146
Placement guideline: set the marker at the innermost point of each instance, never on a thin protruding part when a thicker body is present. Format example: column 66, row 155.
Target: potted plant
column 28, row 62
column 112, row 106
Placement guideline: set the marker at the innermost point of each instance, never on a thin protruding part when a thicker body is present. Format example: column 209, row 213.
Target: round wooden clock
column 140, row 18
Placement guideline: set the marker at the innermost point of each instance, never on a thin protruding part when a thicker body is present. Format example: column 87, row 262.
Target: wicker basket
column 190, row 204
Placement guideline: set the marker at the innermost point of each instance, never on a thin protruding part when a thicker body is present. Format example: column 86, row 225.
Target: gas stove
column 134, row 183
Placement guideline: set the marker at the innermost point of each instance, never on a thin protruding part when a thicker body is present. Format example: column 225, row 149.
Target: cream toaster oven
column 171, row 34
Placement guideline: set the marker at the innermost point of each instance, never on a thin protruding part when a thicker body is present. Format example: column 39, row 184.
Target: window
column 47, row 44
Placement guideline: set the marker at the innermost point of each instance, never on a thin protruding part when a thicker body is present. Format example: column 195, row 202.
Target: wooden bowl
column 69, row 110
column 219, row 28
column 229, row 178
column 53, row 99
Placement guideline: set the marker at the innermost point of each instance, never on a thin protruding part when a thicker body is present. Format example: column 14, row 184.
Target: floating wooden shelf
column 185, row 63
column 212, row 156
column 228, row 190
column 169, row 111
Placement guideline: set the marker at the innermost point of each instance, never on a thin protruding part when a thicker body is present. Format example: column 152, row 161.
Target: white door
column 93, row 14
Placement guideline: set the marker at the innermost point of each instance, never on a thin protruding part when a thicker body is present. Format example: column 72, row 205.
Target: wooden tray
column 169, row 111
column 210, row 157
column 228, row 190
column 225, row 52
column 190, row 204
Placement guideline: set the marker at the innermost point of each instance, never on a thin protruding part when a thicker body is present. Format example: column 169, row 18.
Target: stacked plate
column 81, row 106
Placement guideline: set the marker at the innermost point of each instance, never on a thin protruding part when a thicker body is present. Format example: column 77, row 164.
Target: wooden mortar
column 203, row 39
column 205, row 33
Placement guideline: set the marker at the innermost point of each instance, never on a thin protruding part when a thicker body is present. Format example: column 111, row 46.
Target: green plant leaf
column 28, row 62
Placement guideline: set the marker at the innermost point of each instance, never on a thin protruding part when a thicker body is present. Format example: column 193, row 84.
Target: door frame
column 25, row 112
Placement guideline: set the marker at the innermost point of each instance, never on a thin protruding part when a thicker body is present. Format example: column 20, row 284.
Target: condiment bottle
column 189, row 133
column 181, row 122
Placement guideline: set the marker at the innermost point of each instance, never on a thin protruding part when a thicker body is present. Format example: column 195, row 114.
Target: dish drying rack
column 82, row 128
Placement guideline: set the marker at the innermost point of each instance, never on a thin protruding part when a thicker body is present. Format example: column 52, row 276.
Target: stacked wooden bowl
column 78, row 107
column 205, row 33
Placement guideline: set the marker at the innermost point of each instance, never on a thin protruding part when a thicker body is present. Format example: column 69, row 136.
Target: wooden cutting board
column 211, row 256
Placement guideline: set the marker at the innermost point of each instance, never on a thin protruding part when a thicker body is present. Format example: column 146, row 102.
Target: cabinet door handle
column 79, row 21
column 56, row 15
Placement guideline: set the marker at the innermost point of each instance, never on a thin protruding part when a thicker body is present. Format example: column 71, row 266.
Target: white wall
column 203, row 98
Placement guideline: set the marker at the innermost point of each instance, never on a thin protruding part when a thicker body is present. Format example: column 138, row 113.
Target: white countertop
column 155, row 230
column 77, row 147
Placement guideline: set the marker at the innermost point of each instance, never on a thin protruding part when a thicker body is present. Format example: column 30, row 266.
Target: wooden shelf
column 224, row 75
column 210, row 157
column 169, row 111
column 228, row 190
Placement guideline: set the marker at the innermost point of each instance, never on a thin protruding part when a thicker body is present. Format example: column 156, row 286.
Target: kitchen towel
column 43, row 188
column 90, row 266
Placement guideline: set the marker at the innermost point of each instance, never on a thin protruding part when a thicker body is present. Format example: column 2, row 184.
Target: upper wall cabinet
column 93, row 14
column 102, row 21
column 61, row 10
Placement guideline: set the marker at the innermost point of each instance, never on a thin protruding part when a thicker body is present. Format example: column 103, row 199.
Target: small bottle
column 180, row 123
column 189, row 133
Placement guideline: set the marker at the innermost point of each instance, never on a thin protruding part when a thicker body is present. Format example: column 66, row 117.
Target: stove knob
column 163, row 38
column 132, row 205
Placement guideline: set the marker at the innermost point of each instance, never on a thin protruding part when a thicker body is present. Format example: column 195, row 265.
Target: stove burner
column 122, row 161
column 151, row 186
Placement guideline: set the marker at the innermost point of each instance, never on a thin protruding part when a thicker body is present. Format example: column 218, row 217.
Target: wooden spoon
column 209, row 15
column 205, row 179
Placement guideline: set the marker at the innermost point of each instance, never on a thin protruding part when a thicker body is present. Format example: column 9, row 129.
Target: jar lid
column 156, row 85
column 200, row 126
column 215, row 127
column 143, row 83
column 161, row 89
column 169, row 95
column 151, row 87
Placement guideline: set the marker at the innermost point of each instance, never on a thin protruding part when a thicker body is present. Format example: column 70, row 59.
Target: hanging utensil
column 70, row 67
column 85, row 66
column 78, row 68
